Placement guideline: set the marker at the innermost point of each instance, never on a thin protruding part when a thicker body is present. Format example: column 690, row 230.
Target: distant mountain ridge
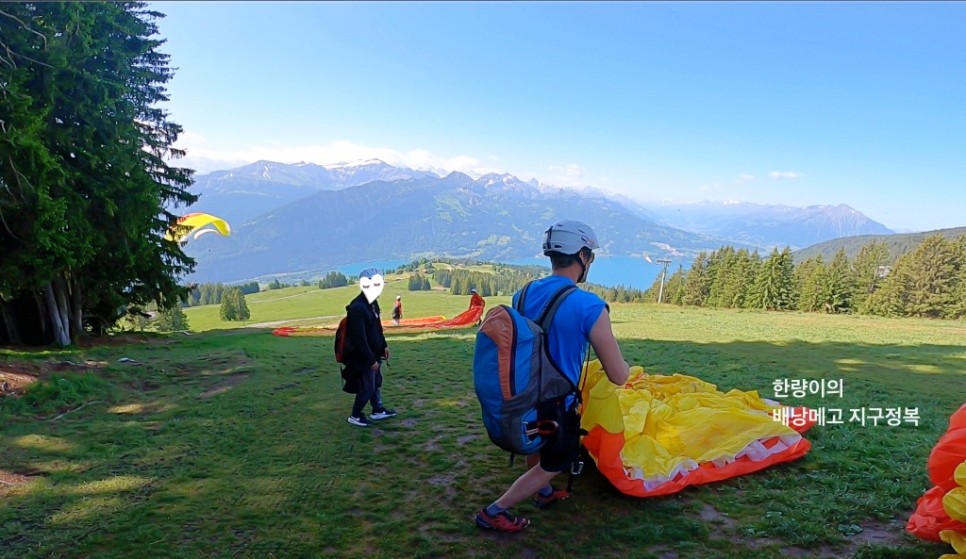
column 495, row 217
column 293, row 217
column 240, row 194
column 769, row 225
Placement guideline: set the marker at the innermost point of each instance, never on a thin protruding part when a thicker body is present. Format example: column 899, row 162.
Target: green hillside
column 896, row 244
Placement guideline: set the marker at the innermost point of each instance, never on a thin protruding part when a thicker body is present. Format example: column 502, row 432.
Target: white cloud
column 785, row 175
column 742, row 179
column 567, row 175
column 204, row 159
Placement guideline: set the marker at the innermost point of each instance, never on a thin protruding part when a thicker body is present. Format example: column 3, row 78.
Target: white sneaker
column 383, row 414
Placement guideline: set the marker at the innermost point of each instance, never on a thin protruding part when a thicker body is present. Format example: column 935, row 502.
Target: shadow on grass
column 184, row 465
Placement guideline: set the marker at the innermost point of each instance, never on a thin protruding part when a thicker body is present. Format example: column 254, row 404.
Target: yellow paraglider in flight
column 196, row 223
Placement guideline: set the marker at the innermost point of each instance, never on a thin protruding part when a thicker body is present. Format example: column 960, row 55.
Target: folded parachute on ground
column 465, row 319
column 658, row 434
column 197, row 223
column 940, row 513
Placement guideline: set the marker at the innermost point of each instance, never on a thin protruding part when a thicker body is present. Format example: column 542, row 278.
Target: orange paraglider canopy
column 658, row 434
column 941, row 511
column 465, row 319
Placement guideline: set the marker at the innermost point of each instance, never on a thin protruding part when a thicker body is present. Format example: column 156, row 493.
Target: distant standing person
column 476, row 300
column 367, row 348
column 397, row 311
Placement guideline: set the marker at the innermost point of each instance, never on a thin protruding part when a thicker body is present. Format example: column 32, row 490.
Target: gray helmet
column 568, row 237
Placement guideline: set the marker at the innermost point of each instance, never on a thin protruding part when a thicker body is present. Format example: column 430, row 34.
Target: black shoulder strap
column 523, row 295
column 546, row 317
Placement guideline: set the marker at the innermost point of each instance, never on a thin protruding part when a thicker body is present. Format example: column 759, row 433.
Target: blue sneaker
column 361, row 421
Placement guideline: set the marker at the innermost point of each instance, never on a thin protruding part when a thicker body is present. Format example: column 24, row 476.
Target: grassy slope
column 311, row 306
column 234, row 443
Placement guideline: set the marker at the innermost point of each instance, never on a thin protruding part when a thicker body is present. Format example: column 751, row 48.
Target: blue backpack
column 514, row 374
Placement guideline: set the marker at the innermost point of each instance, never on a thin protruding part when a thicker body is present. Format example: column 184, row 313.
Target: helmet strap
column 583, row 269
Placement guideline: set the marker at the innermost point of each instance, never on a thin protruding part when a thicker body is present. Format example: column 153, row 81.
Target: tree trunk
column 60, row 293
column 43, row 316
column 76, row 309
column 57, row 318
column 10, row 334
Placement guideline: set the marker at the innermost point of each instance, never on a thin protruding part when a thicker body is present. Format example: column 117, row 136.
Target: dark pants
column 369, row 383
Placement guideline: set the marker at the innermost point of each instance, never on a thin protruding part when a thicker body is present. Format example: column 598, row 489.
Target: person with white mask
column 366, row 349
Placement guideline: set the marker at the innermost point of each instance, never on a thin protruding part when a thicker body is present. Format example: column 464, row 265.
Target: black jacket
column 364, row 332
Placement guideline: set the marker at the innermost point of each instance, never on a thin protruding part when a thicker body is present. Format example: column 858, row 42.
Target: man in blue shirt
column 582, row 317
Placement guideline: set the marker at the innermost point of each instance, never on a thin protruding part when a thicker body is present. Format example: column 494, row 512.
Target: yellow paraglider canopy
column 189, row 223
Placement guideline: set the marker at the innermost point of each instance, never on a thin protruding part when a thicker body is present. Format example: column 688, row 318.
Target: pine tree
column 890, row 299
column 233, row 305
column 933, row 273
column 229, row 308
column 809, row 281
column 836, row 291
column 243, row 311
column 674, row 289
column 772, row 286
column 84, row 179
column 867, row 274
column 172, row 320
column 695, row 291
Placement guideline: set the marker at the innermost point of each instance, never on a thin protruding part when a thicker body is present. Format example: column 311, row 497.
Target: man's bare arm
column 607, row 349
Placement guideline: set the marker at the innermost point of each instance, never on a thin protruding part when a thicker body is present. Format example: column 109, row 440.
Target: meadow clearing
column 230, row 442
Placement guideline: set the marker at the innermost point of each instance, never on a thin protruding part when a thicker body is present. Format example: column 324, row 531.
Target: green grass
column 233, row 443
column 311, row 306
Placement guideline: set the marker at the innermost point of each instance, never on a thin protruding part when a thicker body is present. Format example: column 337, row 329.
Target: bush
column 172, row 320
column 58, row 393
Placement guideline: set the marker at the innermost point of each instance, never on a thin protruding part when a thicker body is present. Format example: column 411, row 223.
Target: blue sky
column 776, row 103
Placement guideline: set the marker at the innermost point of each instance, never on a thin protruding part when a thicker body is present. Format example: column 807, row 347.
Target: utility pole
column 660, row 292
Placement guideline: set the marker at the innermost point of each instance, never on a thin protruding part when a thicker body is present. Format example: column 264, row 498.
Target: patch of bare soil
column 16, row 376
column 10, row 479
column 112, row 340
column 14, row 383
column 886, row 534
column 224, row 386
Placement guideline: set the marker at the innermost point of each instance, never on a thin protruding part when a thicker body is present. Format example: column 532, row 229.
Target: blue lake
column 611, row 272
column 617, row 270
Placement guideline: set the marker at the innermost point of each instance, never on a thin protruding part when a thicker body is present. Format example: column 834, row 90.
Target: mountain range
column 290, row 218
column 769, row 225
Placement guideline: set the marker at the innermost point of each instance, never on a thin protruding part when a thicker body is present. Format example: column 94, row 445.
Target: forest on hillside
column 927, row 281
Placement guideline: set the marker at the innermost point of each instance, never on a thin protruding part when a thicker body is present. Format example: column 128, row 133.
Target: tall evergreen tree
column 809, row 282
column 958, row 308
column 933, row 272
column 673, row 287
column 890, row 298
column 836, row 293
column 720, row 264
column 868, row 273
column 84, row 179
column 772, row 286
column 695, row 290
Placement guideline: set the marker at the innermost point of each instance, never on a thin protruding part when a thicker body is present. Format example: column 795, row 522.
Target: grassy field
column 233, row 443
column 311, row 306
